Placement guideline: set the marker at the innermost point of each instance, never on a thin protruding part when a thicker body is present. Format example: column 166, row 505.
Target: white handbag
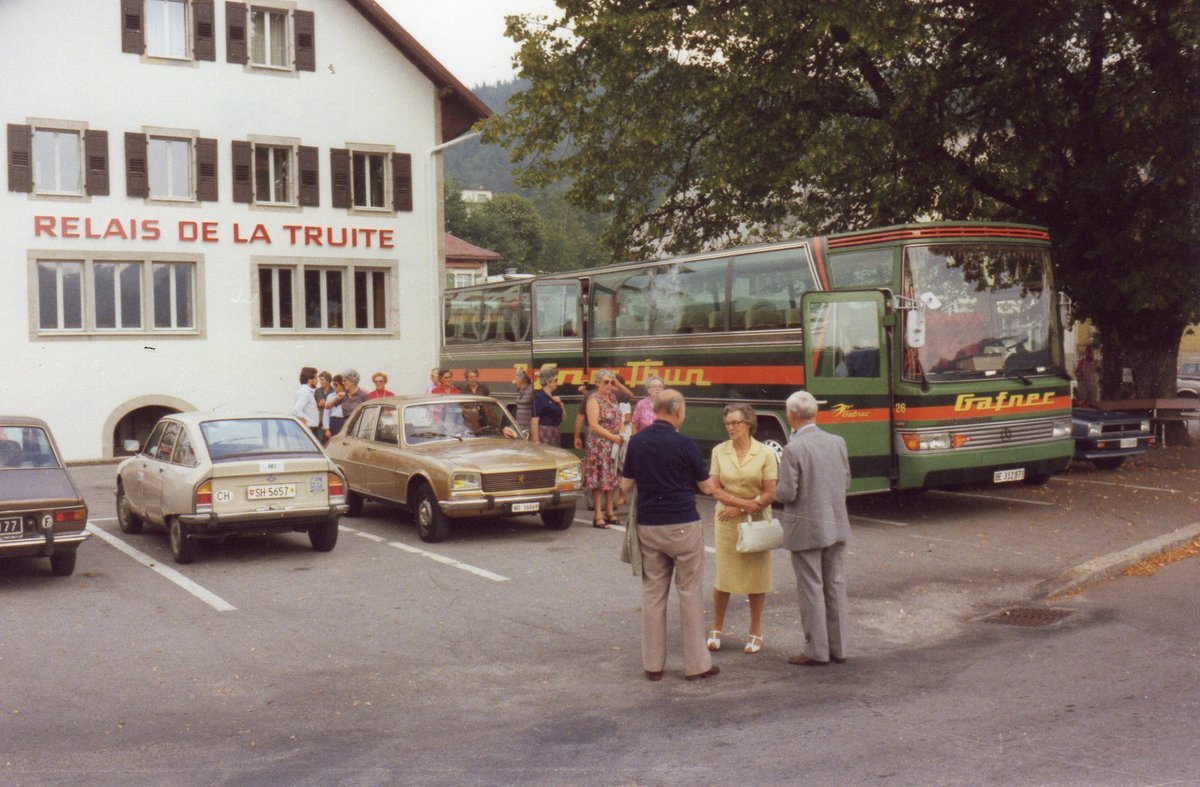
column 759, row 535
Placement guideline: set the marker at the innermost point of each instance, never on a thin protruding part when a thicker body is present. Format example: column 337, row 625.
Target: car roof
column 407, row 399
column 200, row 416
column 22, row 420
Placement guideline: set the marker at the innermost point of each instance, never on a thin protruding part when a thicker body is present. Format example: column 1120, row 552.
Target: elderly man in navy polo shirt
column 667, row 468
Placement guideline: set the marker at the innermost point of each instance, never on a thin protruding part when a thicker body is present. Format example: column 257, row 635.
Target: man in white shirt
column 304, row 406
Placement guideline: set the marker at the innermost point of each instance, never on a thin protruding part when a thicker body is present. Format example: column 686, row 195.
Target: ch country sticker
column 1002, row 401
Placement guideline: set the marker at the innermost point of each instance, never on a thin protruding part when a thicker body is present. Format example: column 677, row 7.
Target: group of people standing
column 324, row 401
column 810, row 481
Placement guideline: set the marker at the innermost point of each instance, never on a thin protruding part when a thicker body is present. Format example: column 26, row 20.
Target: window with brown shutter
column 137, row 178
column 206, row 170
column 243, row 187
column 402, row 197
column 20, row 158
column 95, row 153
column 131, row 27
column 339, row 174
column 310, row 191
column 235, row 35
column 306, row 47
column 204, row 46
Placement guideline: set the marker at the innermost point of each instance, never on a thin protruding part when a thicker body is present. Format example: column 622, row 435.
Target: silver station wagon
column 212, row 476
column 42, row 513
column 453, row 457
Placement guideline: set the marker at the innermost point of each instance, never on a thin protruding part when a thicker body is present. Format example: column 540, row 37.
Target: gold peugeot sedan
column 42, row 513
column 450, row 457
column 208, row 476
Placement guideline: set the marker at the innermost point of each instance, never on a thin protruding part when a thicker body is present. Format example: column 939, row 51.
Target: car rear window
column 25, row 446
column 243, row 437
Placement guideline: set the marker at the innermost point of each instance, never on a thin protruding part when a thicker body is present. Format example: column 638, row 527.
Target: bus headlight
column 466, row 482
column 1061, row 429
column 930, row 441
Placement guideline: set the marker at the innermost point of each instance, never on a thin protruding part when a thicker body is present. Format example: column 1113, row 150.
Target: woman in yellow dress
column 744, row 472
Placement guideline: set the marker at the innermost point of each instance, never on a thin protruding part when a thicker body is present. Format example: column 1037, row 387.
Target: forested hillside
column 475, row 165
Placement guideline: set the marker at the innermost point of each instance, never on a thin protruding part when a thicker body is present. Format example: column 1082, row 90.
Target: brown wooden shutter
column 20, row 158
column 339, row 175
column 137, row 179
column 204, row 46
column 235, row 33
column 131, row 27
column 310, row 183
column 243, row 187
column 402, row 197
column 206, row 170
column 306, row 45
column 95, row 154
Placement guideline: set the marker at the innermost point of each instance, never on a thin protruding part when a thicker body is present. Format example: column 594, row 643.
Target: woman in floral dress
column 603, row 437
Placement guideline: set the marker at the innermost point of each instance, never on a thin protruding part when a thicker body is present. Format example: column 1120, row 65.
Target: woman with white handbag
column 744, row 472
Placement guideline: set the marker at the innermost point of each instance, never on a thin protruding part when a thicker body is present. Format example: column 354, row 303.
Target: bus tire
column 1037, row 479
column 771, row 434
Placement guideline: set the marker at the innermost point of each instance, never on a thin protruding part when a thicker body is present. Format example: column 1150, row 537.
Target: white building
column 204, row 197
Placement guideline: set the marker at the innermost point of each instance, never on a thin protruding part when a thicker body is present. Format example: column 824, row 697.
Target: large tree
column 709, row 122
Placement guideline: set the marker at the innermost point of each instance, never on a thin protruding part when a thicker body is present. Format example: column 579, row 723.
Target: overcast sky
column 467, row 36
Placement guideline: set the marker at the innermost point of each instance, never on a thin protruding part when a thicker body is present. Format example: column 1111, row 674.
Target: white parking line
column 879, row 521
column 449, row 561
column 990, row 497
column 1114, row 483
column 170, row 574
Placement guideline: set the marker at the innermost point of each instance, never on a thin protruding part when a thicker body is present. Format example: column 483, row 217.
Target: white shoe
column 714, row 640
column 754, row 645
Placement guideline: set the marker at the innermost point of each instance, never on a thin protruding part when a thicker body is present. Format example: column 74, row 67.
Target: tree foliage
column 710, row 122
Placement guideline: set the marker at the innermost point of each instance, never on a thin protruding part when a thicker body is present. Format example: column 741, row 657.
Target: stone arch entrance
column 135, row 419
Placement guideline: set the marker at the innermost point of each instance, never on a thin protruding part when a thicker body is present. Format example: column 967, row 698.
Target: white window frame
column 289, row 57
column 350, row 295
column 190, row 167
column 293, row 187
column 463, row 278
column 40, row 180
column 189, row 44
column 146, row 296
column 361, row 201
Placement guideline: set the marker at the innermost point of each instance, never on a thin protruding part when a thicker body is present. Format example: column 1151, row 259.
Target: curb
column 1107, row 566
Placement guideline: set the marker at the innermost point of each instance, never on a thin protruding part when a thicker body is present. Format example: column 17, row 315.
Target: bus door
column 558, row 337
column 847, row 370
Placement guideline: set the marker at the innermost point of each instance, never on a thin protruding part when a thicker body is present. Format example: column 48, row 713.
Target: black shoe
column 708, row 673
column 654, row 676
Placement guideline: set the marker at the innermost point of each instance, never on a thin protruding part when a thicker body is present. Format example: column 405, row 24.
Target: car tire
column 63, row 563
column 559, row 518
column 1109, row 462
column 354, row 504
column 183, row 546
column 432, row 525
column 128, row 521
column 324, row 536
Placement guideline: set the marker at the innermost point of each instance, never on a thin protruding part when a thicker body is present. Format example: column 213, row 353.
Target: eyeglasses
column 734, row 423
column 606, row 382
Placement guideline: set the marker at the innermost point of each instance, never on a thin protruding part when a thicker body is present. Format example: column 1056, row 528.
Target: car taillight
column 204, row 496
column 70, row 515
column 336, row 487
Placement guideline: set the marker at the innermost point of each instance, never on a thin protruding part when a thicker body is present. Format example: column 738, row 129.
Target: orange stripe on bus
column 951, row 412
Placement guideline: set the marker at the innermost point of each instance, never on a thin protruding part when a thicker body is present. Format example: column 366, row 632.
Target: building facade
column 203, row 197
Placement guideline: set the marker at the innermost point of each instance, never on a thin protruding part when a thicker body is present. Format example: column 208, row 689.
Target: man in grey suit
column 814, row 477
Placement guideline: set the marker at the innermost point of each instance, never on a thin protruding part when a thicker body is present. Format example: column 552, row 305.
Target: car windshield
column 25, row 446
column 456, row 421
column 987, row 311
column 242, row 437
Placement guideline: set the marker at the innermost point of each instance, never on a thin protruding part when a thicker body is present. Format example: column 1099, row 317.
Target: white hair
column 803, row 405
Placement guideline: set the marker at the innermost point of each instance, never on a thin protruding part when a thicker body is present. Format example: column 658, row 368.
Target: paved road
column 509, row 654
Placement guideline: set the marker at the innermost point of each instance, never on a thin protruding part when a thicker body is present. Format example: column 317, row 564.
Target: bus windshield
column 987, row 310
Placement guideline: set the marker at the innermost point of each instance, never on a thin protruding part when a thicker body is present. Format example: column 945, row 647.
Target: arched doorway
column 136, row 425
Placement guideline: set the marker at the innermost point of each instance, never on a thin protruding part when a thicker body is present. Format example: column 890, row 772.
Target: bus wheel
column 771, row 435
column 1037, row 479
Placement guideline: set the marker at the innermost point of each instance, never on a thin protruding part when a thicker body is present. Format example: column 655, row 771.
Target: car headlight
column 1145, row 426
column 1094, row 429
column 466, row 482
column 1061, row 429
column 571, row 474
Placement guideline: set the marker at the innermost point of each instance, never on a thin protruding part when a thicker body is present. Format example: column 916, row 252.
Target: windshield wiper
column 1020, row 372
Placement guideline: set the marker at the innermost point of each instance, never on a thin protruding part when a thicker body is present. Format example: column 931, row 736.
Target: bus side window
column 765, row 289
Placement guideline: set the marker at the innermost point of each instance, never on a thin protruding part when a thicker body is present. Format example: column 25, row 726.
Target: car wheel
column 432, row 524
column 183, row 546
column 354, row 504
column 559, row 518
column 324, row 536
column 63, row 563
column 129, row 521
column 1109, row 462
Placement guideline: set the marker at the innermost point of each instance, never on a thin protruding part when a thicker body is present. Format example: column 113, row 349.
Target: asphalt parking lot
column 265, row 661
